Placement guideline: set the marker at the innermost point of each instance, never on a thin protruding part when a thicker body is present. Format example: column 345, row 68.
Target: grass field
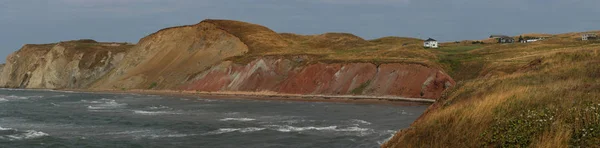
column 541, row 94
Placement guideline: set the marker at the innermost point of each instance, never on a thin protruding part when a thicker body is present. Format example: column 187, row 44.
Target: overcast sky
column 45, row 21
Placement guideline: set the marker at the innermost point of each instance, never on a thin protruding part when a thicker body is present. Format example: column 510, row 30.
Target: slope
column 541, row 94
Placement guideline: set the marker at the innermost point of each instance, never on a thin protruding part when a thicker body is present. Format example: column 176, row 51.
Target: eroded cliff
column 295, row 76
column 71, row 64
column 168, row 57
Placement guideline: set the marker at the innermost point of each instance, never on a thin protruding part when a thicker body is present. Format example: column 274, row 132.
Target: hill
column 226, row 55
column 541, row 94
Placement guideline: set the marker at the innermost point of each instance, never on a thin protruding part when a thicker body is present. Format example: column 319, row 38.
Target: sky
column 46, row 21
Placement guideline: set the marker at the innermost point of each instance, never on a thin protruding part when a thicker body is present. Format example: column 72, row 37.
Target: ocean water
column 69, row 119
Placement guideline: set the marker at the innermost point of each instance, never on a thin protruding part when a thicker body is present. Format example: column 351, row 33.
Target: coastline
column 272, row 96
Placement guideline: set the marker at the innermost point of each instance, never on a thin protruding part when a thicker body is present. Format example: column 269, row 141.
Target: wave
column 386, row 140
column 171, row 136
column 152, row 112
column 4, row 129
column 229, row 130
column 30, row 134
column 237, row 119
column 105, row 104
column 13, row 97
column 3, row 100
column 287, row 128
column 159, row 107
column 361, row 121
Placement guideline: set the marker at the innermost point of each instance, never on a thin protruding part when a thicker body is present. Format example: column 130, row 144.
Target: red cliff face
column 287, row 76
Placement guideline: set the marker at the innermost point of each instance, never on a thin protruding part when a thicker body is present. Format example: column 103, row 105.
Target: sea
column 63, row 119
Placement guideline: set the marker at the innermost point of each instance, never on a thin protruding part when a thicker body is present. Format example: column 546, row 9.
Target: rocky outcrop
column 291, row 76
column 1, row 68
column 72, row 64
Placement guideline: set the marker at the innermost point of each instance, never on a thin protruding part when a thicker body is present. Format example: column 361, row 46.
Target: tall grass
column 512, row 101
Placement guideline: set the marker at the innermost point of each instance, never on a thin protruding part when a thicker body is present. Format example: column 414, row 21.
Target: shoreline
column 271, row 96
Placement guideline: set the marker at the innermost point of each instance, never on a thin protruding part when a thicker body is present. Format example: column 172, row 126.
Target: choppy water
column 67, row 119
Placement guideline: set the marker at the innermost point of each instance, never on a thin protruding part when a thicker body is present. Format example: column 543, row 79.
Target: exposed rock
column 71, row 64
column 1, row 68
column 287, row 76
column 168, row 57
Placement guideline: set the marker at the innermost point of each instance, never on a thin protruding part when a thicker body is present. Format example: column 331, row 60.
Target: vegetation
column 153, row 85
column 542, row 94
column 360, row 89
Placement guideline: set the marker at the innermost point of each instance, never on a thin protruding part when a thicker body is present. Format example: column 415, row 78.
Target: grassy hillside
column 541, row 94
column 327, row 47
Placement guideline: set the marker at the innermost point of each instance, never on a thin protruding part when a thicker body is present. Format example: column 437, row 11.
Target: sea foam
column 238, row 119
column 229, row 130
column 152, row 112
column 30, row 134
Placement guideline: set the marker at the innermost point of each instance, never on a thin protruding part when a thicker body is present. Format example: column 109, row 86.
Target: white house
column 588, row 36
column 430, row 43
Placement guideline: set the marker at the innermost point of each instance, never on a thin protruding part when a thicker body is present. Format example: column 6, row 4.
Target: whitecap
column 287, row 128
column 152, row 112
column 15, row 97
column 30, row 134
column 386, row 140
column 4, row 129
column 159, row 107
column 352, row 129
column 361, row 121
column 229, row 130
column 238, row 119
column 108, row 104
column 3, row 100
column 171, row 136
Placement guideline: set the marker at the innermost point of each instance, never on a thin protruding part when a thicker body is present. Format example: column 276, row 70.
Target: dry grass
column 328, row 47
column 512, row 101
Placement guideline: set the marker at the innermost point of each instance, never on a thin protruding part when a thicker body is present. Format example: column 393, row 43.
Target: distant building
column 430, row 43
column 532, row 40
column 503, row 38
column 589, row 36
column 529, row 39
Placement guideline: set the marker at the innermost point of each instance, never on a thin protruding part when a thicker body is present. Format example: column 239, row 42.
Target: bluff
column 224, row 55
column 70, row 64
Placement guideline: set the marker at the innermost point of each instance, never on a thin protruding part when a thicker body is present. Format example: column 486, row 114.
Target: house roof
column 430, row 39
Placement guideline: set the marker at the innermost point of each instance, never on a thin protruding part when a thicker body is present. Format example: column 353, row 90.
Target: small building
column 529, row 39
column 503, row 38
column 589, row 36
column 430, row 43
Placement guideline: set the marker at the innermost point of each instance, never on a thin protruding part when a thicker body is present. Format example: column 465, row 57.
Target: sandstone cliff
column 1, row 68
column 71, row 64
column 168, row 57
column 294, row 76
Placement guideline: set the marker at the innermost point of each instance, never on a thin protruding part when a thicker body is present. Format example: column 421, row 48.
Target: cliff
column 296, row 76
column 170, row 56
column 224, row 55
column 71, row 64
